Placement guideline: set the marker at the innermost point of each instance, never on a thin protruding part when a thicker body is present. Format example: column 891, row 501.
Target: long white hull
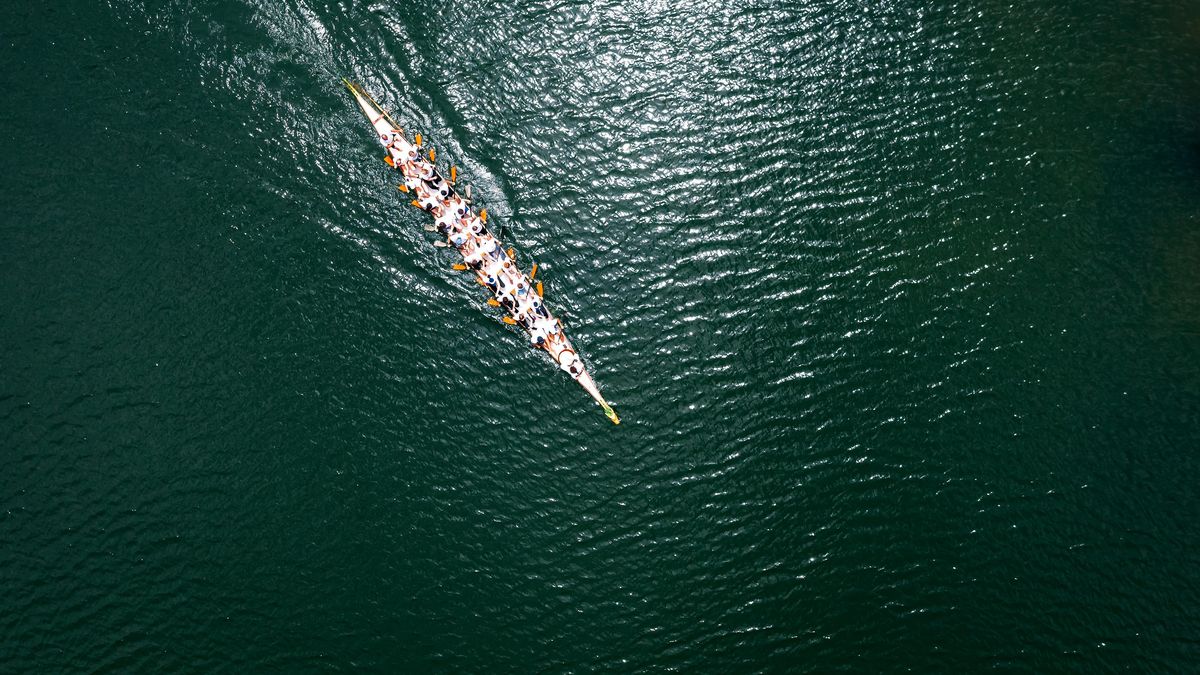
column 386, row 131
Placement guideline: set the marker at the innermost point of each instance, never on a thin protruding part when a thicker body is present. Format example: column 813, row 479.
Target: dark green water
column 900, row 304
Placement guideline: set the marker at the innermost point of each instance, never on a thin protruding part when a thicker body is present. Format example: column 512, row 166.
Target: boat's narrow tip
column 610, row 413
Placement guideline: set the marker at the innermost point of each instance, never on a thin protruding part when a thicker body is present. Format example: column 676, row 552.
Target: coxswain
column 569, row 363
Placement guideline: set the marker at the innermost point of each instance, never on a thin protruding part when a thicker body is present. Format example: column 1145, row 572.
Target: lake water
column 899, row 303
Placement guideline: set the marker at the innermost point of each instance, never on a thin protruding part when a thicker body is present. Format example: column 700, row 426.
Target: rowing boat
column 557, row 345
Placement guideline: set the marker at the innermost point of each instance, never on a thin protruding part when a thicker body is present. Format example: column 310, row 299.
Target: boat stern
column 383, row 123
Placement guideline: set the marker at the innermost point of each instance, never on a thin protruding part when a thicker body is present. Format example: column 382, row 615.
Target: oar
column 534, row 272
column 458, row 267
column 493, row 302
column 430, row 228
column 453, row 173
column 441, row 244
column 433, row 154
column 509, row 320
column 402, row 188
column 418, row 139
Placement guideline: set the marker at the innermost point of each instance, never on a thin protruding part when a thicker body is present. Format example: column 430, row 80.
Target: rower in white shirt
column 425, row 199
column 445, row 221
column 474, row 257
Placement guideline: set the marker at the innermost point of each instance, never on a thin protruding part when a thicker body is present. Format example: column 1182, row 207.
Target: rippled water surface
column 899, row 302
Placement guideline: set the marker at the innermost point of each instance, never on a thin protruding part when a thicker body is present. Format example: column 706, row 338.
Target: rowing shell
column 560, row 349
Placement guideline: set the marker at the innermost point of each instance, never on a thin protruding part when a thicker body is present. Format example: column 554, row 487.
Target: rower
column 459, row 236
column 445, row 220
column 395, row 147
column 438, row 185
column 410, row 180
column 493, row 267
column 426, row 200
column 475, row 257
column 475, row 224
column 460, row 207
column 469, row 246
